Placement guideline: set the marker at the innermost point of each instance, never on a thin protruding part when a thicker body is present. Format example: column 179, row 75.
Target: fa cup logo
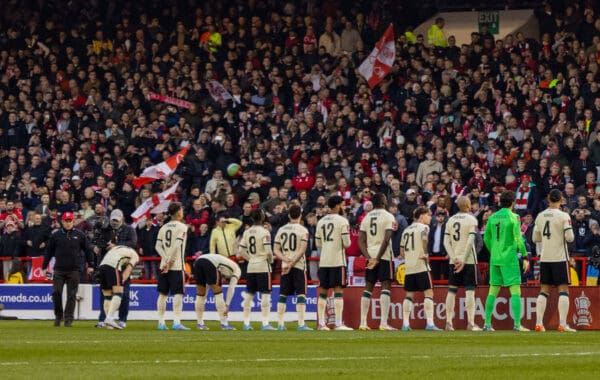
column 583, row 316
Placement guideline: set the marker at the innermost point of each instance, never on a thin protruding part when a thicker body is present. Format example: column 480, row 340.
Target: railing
column 483, row 268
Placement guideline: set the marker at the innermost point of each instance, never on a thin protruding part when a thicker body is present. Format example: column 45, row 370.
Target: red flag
column 379, row 63
column 160, row 171
column 37, row 272
column 169, row 100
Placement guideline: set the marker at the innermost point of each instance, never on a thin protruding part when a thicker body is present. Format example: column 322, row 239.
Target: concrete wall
column 462, row 24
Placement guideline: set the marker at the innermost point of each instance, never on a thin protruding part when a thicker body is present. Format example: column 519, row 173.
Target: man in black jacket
column 36, row 237
column 439, row 268
column 65, row 246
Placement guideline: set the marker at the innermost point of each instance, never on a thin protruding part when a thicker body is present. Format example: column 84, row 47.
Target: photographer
column 118, row 233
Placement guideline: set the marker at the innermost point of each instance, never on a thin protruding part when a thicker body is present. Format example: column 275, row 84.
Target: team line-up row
column 502, row 237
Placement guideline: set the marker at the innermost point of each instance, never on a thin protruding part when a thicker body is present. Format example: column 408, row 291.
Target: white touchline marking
column 262, row 360
column 192, row 361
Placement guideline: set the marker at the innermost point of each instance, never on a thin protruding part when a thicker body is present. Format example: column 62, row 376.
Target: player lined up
column 502, row 237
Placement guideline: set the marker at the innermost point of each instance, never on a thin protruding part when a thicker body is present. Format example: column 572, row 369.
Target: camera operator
column 117, row 233
column 65, row 245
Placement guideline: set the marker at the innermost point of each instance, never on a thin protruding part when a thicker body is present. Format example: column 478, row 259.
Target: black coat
column 432, row 230
column 11, row 245
column 66, row 247
column 147, row 240
column 37, row 235
column 125, row 235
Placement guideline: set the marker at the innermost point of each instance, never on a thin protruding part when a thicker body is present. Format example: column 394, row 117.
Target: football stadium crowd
column 77, row 123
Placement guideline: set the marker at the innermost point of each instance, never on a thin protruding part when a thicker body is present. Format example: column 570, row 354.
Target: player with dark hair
column 255, row 247
column 115, row 270
column 553, row 231
column 503, row 239
column 170, row 245
column 208, row 270
column 290, row 247
column 413, row 249
column 333, row 237
column 374, row 241
column 459, row 241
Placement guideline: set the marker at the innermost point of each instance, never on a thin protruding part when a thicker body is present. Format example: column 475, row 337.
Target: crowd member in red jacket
column 304, row 180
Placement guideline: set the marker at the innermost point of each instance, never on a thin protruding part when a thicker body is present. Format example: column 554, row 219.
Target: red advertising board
column 584, row 313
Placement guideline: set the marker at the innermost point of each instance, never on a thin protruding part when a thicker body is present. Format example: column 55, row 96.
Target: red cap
column 524, row 176
column 67, row 216
column 555, row 164
column 477, row 170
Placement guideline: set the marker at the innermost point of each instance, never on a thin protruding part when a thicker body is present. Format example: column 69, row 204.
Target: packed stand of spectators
column 76, row 123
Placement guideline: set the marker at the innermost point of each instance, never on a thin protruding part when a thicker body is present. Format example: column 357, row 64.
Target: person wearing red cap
column 527, row 196
column 65, row 245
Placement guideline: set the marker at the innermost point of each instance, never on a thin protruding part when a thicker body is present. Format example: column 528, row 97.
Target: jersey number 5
column 373, row 227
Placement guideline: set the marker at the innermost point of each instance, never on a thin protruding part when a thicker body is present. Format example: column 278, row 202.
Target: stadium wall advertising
column 584, row 313
column 35, row 302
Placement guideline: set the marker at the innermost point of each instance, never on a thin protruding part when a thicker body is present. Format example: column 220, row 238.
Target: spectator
column 222, row 237
column 15, row 274
column 350, row 40
column 527, row 197
column 435, row 34
column 147, row 234
column 439, row 268
column 518, row 105
column 36, row 236
column 12, row 214
column 427, row 167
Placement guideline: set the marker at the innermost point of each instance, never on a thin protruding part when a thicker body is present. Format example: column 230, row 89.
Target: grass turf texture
column 36, row 349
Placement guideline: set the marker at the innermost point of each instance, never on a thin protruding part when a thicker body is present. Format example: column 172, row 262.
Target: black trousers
column 71, row 279
column 439, row 268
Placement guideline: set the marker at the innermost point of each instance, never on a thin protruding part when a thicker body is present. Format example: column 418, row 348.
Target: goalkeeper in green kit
column 503, row 238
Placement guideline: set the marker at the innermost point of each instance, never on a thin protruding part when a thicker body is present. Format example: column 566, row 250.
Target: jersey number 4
column 546, row 231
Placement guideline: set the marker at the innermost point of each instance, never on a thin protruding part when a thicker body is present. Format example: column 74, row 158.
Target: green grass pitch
column 37, row 350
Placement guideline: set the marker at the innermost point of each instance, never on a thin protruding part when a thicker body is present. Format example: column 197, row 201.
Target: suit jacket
column 431, row 241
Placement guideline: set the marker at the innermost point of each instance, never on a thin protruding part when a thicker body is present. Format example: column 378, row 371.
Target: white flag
column 154, row 205
column 217, row 91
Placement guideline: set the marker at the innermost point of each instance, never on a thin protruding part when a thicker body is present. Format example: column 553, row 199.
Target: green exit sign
column 491, row 20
